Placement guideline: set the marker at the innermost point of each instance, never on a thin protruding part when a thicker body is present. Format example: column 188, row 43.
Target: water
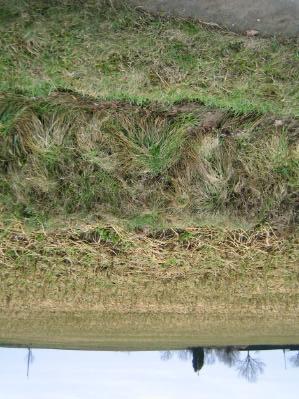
column 207, row 373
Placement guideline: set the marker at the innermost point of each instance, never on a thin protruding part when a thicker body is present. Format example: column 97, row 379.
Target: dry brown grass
column 108, row 268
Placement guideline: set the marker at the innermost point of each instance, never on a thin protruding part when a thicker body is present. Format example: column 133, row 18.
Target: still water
column 228, row 372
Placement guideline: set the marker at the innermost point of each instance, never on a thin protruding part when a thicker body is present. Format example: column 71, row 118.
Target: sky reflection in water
column 225, row 373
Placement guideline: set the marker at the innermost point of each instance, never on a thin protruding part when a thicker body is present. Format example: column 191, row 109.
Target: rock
column 212, row 120
column 252, row 33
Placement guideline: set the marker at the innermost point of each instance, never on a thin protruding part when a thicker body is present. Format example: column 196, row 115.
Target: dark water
column 228, row 372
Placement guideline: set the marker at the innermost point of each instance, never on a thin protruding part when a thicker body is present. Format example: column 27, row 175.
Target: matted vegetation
column 107, row 268
column 155, row 162
column 143, row 158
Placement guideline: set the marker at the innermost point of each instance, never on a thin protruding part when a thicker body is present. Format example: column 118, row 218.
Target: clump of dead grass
column 202, row 251
column 101, row 266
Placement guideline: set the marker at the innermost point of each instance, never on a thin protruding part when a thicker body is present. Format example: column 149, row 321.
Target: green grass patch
column 113, row 52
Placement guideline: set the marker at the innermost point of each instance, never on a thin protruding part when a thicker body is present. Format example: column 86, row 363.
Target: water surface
column 227, row 372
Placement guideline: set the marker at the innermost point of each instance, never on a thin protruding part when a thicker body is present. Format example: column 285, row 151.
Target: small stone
column 252, row 33
column 278, row 123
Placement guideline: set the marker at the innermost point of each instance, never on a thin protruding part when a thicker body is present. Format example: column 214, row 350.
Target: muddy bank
column 269, row 17
column 93, row 331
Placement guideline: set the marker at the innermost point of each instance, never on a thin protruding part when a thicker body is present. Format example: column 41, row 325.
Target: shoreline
column 91, row 330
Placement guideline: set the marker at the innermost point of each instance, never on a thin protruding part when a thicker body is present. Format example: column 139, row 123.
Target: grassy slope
column 148, row 163
column 159, row 164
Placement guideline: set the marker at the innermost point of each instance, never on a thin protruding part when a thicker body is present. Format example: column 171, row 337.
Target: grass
column 122, row 53
column 143, row 158
column 106, row 268
column 126, row 161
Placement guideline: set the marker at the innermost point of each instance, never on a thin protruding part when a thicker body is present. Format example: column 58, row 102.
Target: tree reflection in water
column 250, row 367
column 29, row 360
column 198, row 358
column 244, row 360
column 295, row 359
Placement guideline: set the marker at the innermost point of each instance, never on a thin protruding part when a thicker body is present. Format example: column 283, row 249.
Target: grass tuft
column 128, row 160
